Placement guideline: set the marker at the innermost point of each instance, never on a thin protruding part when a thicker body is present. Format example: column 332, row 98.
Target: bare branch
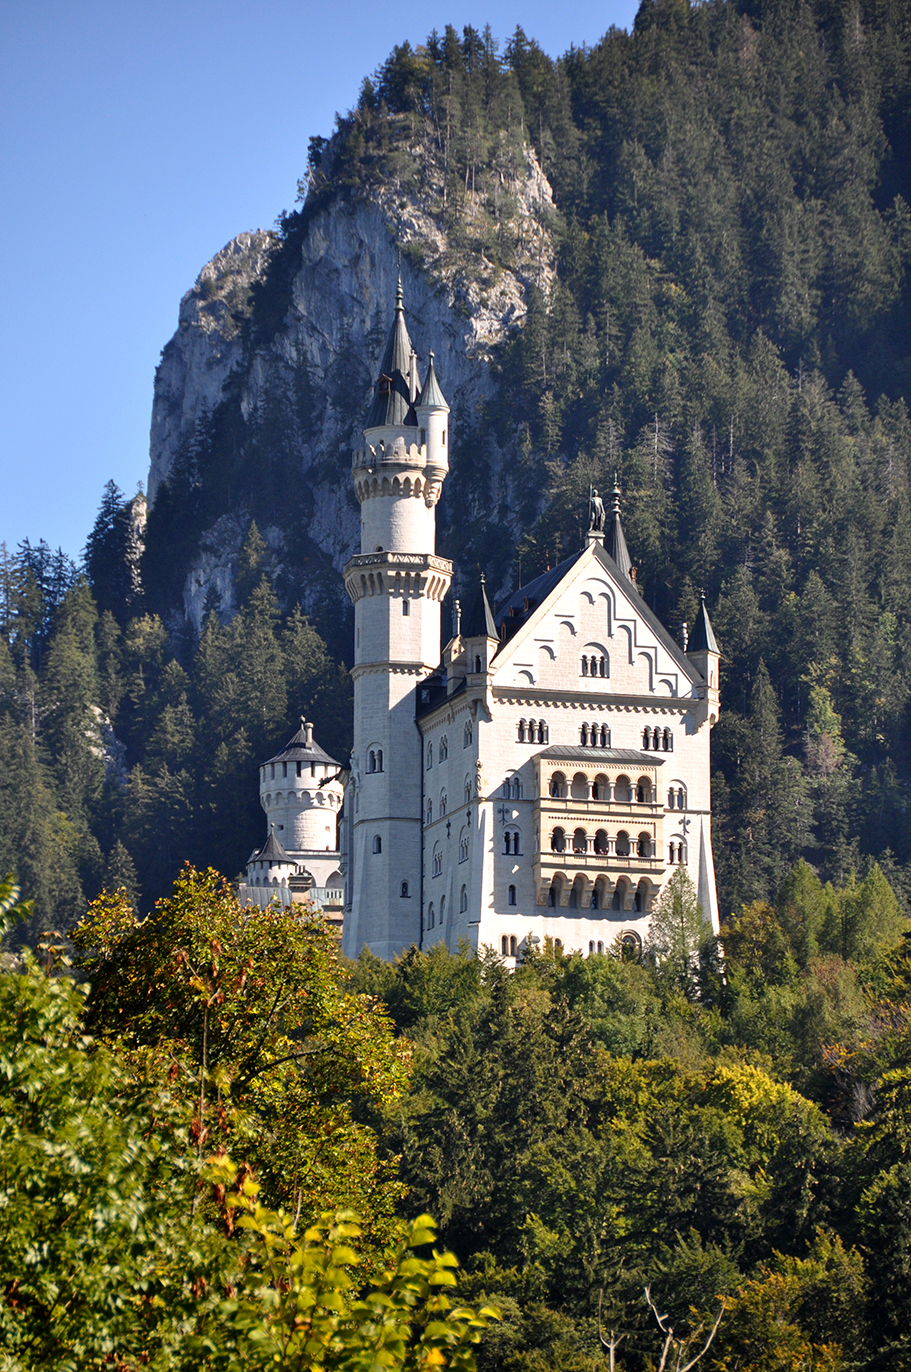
column 708, row 1342
column 613, row 1343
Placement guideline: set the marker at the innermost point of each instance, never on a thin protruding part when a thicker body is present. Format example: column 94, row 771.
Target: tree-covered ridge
column 125, row 751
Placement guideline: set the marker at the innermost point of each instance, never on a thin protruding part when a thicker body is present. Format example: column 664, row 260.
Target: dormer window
column 384, row 385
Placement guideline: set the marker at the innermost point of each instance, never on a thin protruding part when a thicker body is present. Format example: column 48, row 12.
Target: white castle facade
column 544, row 776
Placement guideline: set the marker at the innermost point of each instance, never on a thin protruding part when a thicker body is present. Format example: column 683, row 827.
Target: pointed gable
column 584, row 627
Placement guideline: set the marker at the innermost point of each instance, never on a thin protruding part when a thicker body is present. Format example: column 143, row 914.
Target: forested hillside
column 723, row 319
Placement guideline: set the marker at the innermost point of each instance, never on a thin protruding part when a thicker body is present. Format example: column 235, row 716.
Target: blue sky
column 136, row 138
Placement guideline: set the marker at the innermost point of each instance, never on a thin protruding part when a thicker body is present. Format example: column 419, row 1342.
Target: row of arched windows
column 676, row 798
column 375, row 760
column 511, row 842
column 601, row 844
column 593, row 665
column 599, row 897
column 594, row 736
column 533, row 731
column 657, row 740
column 512, row 788
column 630, row 944
column 581, row 788
column 444, row 751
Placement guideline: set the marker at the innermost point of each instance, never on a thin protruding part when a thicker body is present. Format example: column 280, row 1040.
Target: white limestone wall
column 385, row 631
column 394, row 521
column 540, row 678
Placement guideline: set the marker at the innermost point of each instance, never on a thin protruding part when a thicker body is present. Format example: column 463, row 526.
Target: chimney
column 683, row 636
column 308, row 734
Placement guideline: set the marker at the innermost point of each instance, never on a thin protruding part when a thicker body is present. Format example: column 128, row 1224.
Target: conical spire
column 392, row 398
column 703, row 638
column 477, row 620
column 614, row 539
column 431, row 396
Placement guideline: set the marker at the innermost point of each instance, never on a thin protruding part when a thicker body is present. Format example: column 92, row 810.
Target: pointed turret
column 431, row 397
column 704, row 655
column 477, row 618
column 703, row 638
column 393, row 399
column 614, row 538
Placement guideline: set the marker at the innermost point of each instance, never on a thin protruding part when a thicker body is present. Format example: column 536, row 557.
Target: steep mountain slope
column 262, row 391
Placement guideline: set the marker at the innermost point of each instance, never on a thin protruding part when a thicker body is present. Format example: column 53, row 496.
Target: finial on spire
column 399, row 293
column 615, row 496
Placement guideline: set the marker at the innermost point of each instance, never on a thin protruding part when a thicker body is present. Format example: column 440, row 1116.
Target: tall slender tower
column 397, row 584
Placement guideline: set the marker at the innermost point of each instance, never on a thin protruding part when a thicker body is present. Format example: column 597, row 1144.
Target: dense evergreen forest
column 728, row 330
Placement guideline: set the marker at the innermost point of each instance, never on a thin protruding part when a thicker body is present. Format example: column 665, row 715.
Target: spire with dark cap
column 702, row 639
column 392, row 398
column 431, row 397
column 614, row 540
column 477, row 619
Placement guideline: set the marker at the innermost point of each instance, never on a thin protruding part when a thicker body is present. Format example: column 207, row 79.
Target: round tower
column 397, row 584
column 302, row 798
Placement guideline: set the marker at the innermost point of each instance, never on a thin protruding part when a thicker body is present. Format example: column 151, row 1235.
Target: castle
column 544, row 778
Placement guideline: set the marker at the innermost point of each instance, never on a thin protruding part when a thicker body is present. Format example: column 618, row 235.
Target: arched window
column 405, row 893
column 600, row 787
column 477, row 663
column 604, row 740
column 552, row 894
column 595, row 898
column 601, row 843
column 444, row 801
column 574, row 896
column 583, row 665
column 630, row 944
column 543, row 732
column 467, row 790
column 644, row 845
column 671, row 798
column 437, row 860
column 558, row 786
column 640, row 900
column 515, row 788
column 591, row 945
column 429, row 817
column 463, row 900
column 580, row 841
column 371, row 761
column 513, row 945
column 600, row 946
column 511, row 896
column 377, row 843
column 580, row 789
column 504, row 945
column 558, row 841
column 429, row 755
column 444, row 748
column 521, row 731
column 466, row 735
column 646, row 739
column 621, row 847
column 442, row 911
column 463, row 846
column 644, row 791
column 623, row 791
column 656, row 739
column 667, row 741
column 430, row 916
column 558, row 943
column 406, row 607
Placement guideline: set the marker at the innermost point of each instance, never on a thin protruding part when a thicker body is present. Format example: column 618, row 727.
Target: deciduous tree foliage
column 245, row 1010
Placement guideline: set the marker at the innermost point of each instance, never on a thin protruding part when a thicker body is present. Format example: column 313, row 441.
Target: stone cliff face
column 264, row 387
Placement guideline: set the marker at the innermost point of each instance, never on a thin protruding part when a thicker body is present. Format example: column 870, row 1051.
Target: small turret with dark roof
column 477, row 619
column 614, row 538
column 702, row 639
column 393, row 399
column 431, row 397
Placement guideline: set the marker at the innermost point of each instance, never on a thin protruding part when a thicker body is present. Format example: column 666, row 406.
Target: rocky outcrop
column 283, row 334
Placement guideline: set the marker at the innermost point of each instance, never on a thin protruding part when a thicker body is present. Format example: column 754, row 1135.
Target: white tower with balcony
column 397, row 584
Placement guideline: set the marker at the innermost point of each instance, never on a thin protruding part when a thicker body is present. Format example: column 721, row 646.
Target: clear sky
column 136, row 138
